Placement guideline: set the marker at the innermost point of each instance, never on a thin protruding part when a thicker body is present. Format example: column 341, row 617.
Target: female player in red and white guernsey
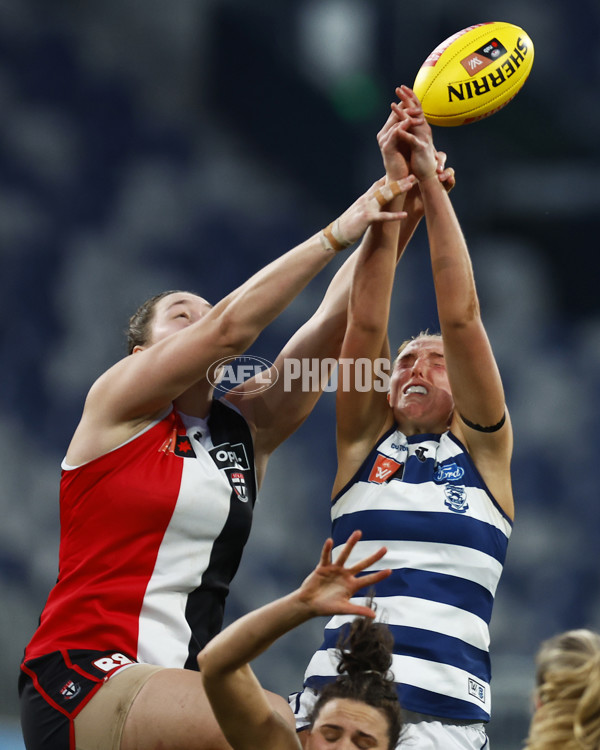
column 156, row 499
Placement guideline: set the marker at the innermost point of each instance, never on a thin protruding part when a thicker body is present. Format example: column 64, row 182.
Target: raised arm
column 413, row 203
column 480, row 416
column 275, row 413
column 236, row 696
column 363, row 413
column 143, row 384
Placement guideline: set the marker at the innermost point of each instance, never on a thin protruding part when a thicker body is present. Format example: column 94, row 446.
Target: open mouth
column 416, row 389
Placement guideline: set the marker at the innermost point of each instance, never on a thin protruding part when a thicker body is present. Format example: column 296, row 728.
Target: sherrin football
column 474, row 73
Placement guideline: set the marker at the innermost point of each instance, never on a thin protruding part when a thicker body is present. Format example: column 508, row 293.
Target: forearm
column 407, row 229
column 323, row 333
column 372, row 284
column 247, row 638
column 328, row 324
column 258, row 301
column 450, row 261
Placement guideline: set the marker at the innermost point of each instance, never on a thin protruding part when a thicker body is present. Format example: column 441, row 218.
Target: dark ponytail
column 365, row 659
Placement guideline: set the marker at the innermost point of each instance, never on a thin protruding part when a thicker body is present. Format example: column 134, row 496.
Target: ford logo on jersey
column 448, row 473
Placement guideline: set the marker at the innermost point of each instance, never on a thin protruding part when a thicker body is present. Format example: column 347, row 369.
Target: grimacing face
column 420, row 392
column 344, row 724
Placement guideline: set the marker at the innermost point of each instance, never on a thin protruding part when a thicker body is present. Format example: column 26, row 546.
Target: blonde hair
column 568, row 678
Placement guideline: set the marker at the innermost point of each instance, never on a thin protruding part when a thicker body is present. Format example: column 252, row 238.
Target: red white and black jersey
column 151, row 535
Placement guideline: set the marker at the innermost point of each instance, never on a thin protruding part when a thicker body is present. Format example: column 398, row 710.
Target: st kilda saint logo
column 233, row 460
column 70, row 690
column 238, row 482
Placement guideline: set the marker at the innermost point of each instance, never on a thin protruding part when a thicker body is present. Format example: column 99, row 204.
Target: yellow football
column 474, row 73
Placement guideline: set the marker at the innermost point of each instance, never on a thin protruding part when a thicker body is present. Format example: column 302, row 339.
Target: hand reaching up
column 328, row 589
column 416, row 135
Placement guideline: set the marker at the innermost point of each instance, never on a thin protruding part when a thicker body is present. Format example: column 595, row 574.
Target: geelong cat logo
column 456, row 498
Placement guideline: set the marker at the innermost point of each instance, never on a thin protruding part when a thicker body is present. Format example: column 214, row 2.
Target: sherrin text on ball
column 474, row 73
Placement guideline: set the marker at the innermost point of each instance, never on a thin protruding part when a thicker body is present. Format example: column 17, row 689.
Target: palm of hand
column 329, row 588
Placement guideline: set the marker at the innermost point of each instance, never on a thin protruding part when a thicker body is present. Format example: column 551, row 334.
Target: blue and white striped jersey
column 423, row 498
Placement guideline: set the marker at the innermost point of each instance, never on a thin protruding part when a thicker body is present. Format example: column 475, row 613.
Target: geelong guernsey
column 151, row 536
column 423, row 498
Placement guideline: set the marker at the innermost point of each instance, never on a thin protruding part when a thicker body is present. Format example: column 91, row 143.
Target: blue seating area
column 117, row 182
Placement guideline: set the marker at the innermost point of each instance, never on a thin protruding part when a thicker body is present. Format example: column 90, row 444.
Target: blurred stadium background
column 147, row 146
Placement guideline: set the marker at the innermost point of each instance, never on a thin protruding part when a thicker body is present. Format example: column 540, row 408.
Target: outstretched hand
column 328, row 589
column 395, row 153
column 418, row 136
column 369, row 209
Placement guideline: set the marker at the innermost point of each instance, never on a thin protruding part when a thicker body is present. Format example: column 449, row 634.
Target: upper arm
column 300, row 371
column 149, row 380
column 473, row 373
column 361, row 397
column 479, row 398
column 299, row 374
column 361, row 414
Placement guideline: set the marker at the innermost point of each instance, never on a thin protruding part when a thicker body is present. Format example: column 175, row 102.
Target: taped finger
column 379, row 197
column 387, row 192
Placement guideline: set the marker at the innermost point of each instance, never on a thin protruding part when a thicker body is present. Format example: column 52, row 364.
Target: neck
column 196, row 400
column 421, row 427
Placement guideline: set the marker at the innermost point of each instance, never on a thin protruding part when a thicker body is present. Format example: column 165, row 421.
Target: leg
column 171, row 712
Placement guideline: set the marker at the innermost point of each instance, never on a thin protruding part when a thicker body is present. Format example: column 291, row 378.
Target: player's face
column 175, row 312
column 420, row 392
column 344, row 724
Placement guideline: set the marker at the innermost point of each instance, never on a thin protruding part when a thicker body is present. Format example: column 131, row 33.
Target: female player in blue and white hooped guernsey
column 425, row 470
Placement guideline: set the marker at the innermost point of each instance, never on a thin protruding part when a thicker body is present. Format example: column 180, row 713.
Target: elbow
column 201, row 660
column 206, row 662
column 366, row 328
column 327, row 332
column 463, row 316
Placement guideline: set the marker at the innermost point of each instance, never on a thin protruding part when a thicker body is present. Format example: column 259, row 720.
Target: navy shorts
column 54, row 688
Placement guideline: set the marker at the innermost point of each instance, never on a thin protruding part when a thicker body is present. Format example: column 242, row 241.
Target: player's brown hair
column 141, row 320
column 365, row 650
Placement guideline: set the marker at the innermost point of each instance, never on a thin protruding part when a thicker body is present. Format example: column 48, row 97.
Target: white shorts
column 419, row 735
column 434, row 735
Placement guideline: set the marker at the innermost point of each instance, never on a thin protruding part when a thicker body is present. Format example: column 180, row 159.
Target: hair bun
column 366, row 648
